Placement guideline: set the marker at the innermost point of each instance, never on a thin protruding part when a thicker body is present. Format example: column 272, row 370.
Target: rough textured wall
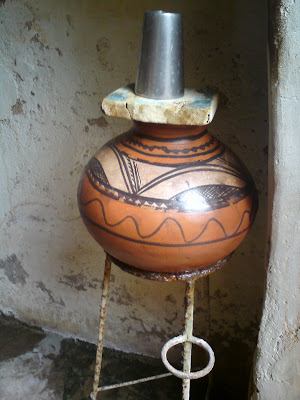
column 277, row 369
column 58, row 60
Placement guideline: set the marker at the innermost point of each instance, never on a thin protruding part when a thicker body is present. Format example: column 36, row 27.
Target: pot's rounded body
column 167, row 198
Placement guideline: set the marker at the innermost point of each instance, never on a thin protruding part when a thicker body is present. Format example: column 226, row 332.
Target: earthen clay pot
column 167, row 198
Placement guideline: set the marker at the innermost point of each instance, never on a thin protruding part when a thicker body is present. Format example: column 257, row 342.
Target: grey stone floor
column 44, row 366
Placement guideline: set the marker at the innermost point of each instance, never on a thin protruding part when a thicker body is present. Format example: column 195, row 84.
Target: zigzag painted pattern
column 159, row 227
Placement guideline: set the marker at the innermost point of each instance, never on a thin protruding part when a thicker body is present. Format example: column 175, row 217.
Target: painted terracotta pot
column 167, row 198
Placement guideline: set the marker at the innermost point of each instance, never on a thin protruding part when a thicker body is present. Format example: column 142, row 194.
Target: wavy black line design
column 165, row 149
column 156, row 230
column 177, row 156
column 159, row 244
column 178, row 160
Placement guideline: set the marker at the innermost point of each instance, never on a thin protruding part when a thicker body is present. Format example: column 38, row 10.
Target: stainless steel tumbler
column 160, row 72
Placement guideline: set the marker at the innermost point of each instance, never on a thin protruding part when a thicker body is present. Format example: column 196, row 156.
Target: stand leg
column 188, row 334
column 105, row 287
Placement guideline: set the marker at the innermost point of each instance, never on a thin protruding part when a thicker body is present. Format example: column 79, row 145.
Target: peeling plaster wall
column 277, row 369
column 58, row 60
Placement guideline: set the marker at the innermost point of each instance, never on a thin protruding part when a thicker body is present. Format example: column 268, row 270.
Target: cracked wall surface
column 59, row 59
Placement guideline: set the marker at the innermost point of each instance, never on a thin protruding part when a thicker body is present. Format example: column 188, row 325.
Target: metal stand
column 105, row 287
column 187, row 338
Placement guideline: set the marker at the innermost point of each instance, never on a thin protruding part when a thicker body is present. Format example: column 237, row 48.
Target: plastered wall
column 277, row 366
column 58, row 60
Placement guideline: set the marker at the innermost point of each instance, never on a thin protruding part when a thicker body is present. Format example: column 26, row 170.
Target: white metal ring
column 192, row 375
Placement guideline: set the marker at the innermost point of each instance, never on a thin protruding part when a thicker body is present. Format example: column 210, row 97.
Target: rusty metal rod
column 105, row 287
column 188, row 334
column 135, row 382
column 187, row 339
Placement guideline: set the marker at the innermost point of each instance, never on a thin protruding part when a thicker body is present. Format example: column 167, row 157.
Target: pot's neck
column 166, row 131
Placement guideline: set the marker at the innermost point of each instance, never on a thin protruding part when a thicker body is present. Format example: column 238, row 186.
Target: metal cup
column 160, row 72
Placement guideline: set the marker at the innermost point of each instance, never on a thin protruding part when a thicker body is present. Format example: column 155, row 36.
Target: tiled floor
column 44, row 366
